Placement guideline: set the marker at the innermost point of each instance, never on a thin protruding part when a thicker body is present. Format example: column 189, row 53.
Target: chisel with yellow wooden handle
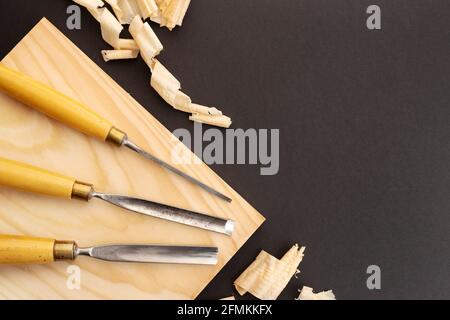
column 78, row 116
column 29, row 250
column 32, row 179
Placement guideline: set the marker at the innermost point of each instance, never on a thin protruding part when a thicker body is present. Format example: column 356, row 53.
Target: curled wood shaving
column 146, row 39
column 169, row 88
column 171, row 12
column 92, row 6
column 110, row 26
column 229, row 298
column 267, row 276
column 109, row 55
column 148, row 8
column 162, row 5
column 116, row 8
column 174, row 13
column 126, row 10
column 307, row 293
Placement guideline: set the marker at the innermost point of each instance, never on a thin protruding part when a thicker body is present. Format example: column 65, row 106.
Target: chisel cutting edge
column 29, row 250
column 29, row 178
column 78, row 116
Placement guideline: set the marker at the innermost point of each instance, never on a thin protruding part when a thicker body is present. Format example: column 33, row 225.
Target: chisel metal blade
column 158, row 210
column 129, row 144
column 152, row 254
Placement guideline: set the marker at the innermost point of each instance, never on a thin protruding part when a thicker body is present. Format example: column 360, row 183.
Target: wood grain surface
column 26, row 135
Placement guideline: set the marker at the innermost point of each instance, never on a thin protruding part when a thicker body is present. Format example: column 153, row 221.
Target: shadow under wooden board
column 28, row 136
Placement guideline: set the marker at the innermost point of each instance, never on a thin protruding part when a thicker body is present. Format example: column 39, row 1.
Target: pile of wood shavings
column 168, row 13
column 267, row 277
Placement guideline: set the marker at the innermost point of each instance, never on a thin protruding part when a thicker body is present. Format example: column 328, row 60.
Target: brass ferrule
column 116, row 136
column 82, row 191
column 64, row 250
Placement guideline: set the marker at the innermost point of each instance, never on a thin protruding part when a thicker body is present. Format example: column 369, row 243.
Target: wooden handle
column 52, row 103
column 29, row 250
column 25, row 177
column 26, row 250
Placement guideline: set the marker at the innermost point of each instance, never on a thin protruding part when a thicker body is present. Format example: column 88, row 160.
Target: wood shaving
column 92, row 6
column 109, row 55
column 169, row 88
column 174, row 12
column 162, row 6
column 229, row 298
column 267, row 276
column 148, row 8
column 125, row 10
column 116, row 8
column 110, row 26
column 307, row 293
column 147, row 41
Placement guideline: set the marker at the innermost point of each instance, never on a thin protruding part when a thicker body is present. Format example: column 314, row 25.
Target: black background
column 364, row 117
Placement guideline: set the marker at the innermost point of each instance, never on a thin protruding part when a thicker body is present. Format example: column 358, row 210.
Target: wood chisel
column 78, row 116
column 30, row 250
column 29, row 178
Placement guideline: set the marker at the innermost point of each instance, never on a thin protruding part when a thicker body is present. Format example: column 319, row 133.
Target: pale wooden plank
column 25, row 135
